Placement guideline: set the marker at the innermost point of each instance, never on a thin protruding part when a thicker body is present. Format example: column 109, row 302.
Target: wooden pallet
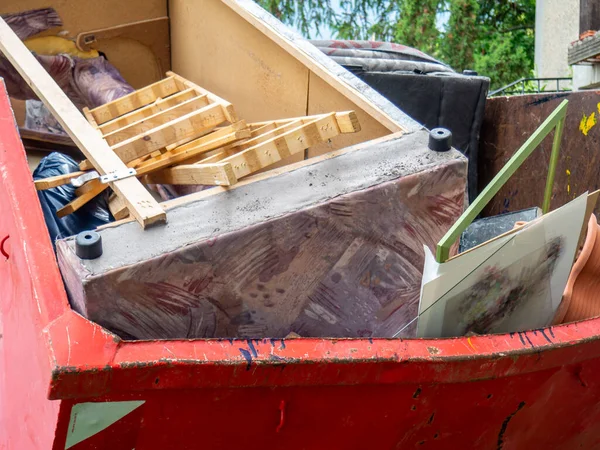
column 175, row 132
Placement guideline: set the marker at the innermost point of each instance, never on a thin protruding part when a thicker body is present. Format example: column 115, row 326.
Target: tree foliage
column 493, row 37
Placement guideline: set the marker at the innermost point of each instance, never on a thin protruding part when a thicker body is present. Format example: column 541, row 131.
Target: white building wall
column 556, row 26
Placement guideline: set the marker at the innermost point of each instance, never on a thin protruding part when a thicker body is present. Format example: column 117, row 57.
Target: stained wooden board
column 160, row 118
column 135, row 100
column 175, row 132
column 140, row 203
column 147, row 111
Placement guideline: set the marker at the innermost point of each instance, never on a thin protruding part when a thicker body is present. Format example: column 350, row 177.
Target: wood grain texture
column 135, row 61
column 176, row 132
column 58, row 180
column 146, row 111
column 141, row 204
column 219, row 174
column 160, row 118
column 280, row 147
column 135, row 100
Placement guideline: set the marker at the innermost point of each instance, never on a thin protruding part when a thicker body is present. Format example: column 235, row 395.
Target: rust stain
column 433, row 350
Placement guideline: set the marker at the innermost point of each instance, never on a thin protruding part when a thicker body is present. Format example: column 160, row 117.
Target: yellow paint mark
column 598, row 106
column 471, row 344
column 568, row 181
column 587, row 123
column 568, row 172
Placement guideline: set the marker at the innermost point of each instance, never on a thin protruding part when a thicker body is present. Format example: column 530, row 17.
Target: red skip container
column 67, row 383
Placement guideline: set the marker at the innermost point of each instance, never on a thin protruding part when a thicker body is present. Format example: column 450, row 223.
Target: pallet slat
column 139, row 201
column 135, row 100
column 159, row 105
column 160, row 118
column 176, row 132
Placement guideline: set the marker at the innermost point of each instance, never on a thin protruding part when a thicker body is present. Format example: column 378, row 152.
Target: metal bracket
column 117, row 175
column 108, row 178
column 82, row 179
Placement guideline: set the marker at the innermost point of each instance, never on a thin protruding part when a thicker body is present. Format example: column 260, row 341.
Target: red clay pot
column 581, row 298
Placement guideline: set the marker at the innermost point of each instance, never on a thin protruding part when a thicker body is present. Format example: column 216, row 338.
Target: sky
column 326, row 33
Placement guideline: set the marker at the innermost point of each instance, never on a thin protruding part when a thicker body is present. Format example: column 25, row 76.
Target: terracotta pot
column 581, row 298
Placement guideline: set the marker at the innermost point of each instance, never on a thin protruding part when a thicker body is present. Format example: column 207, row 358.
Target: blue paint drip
column 230, row 341
column 252, row 348
column 545, row 336
column 246, row 354
column 272, row 341
column 277, row 358
column 282, row 344
column 370, row 340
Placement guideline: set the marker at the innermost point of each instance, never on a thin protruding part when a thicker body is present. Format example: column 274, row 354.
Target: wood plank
column 227, row 107
column 160, row 118
column 165, row 160
column 347, row 121
column 262, row 128
column 149, row 110
column 210, row 136
column 140, row 203
column 78, row 202
column 267, row 135
column 186, row 154
column 135, row 100
column 117, row 207
column 255, row 74
column 58, row 180
column 176, row 132
column 294, row 141
column 219, row 156
column 219, row 174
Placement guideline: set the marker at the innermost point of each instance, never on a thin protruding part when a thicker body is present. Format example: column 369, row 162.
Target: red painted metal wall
column 537, row 389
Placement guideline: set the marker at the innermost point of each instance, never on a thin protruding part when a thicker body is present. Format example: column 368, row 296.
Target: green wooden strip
column 558, row 115
column 552, row 166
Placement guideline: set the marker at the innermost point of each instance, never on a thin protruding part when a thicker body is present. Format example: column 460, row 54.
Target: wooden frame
column 555, row 122
column 139, row 201
column 254, row 154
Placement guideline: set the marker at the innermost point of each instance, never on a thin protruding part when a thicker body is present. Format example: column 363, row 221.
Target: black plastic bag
column 90, row 216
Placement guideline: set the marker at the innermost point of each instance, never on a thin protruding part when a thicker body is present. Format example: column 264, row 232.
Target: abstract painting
column 511, row 284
